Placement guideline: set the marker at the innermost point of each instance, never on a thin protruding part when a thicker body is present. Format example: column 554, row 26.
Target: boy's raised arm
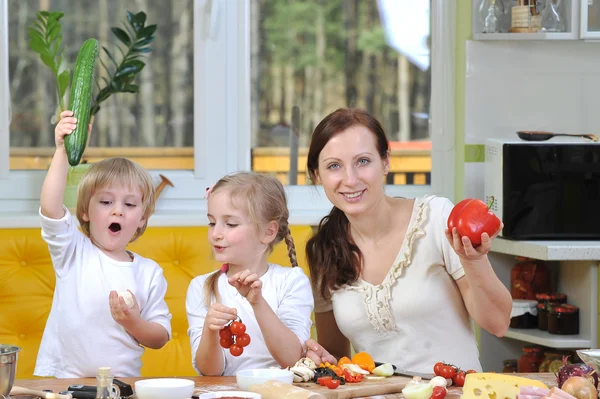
column 51, row 198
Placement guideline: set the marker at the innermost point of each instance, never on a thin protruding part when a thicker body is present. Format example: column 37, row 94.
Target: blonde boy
column 90, row 325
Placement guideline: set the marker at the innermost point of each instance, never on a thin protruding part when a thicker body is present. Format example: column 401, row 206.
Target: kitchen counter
column 209, row 384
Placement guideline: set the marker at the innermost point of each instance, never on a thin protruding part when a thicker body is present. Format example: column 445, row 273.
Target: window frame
column 221, row 144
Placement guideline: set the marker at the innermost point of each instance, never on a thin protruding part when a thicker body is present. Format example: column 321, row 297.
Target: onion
column 580, row 387
column 575, row 370
column 418, row 391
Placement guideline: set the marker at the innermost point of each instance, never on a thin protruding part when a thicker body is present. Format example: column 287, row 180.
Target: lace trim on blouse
column 377, row 298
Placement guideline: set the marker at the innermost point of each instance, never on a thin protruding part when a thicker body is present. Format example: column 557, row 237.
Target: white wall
column 528, row 85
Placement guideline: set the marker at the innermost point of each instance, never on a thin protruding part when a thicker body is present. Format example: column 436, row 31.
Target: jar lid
column 564, row 308
column 532, row 349
column 522, row 306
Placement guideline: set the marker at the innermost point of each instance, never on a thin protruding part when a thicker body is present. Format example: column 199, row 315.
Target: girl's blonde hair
column 110, row 172
column 263, row 199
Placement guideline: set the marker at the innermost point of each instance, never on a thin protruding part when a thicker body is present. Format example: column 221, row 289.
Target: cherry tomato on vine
column 437, row 368
column 448, row 371
column 236, row 350
column 459, row 379
column 237, row 328
column 225, row 332
column 242, row 340
column 226, row 342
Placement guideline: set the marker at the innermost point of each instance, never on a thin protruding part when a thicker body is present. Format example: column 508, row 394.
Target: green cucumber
column 80, row 100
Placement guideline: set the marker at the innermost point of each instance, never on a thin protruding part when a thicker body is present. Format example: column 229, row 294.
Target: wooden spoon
column 532, row 135
column 46, row 395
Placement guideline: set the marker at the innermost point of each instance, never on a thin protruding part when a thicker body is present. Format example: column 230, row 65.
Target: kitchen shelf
column 544, row 338
column 549, row 250
column 526, row 36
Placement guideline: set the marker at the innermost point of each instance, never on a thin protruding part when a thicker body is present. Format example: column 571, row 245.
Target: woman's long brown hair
column 263, row 199
column 333, row 257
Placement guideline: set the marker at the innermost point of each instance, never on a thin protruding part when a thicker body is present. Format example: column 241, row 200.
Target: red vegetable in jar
column 472, row 217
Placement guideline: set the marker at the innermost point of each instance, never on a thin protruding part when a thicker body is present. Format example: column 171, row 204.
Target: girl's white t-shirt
column 287, row 291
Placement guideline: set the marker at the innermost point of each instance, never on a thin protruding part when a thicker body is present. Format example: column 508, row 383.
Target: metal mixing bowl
column 8, row 367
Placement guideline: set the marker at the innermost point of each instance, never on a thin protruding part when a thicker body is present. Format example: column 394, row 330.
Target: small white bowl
column 245, row 378
column 164, row 388
column 221, row 394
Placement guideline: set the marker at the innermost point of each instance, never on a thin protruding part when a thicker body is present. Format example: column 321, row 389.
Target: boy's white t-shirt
column 286, row 289
column 80, row 333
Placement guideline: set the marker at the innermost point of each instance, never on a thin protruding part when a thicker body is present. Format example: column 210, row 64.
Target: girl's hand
column 248, row 285
column 121, row 313
column 318, row 354
column 218, row 315
column 65, row 126
column 465, row 249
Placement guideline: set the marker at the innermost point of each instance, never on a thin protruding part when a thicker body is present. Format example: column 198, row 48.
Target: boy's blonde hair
column 115, row 171
column 263, row 199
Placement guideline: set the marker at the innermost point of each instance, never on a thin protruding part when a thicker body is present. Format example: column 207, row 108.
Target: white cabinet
column 570, row 10
column 574, row 271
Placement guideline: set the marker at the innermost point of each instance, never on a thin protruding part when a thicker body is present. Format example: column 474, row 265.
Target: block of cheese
column 496, row 386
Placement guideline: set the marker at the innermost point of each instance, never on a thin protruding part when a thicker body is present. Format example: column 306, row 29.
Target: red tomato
column 437, row 368
column 323, row 380
column 471, row 371
column 242, row 340
column 332, row 384
column 225, row 332
column 438, row 393
column 459, row 379
column 237, row 328
column 472, row 217
column 236, row 350
column 226, row 342
column 448, row 371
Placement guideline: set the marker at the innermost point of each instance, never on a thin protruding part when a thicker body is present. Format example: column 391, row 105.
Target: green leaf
column 130, row 17
column 147, row 31
column 36, row 42
column 139, row 20
column 121, row 35
column 53, row 33
column 110, row 56
column 63, row 82
column 131, row 89
column 48, row 59
column 142, row 50
column 144, row 42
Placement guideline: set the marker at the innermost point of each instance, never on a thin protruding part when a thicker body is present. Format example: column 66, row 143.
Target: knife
column 408, row 373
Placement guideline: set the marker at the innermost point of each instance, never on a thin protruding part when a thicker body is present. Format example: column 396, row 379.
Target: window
column 222, row 112
column 308, row 58
column 154, row 126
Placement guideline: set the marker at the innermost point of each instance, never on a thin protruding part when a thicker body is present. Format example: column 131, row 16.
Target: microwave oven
column 544, row 190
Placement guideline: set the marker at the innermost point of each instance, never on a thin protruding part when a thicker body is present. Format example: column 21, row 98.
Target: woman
column 387, row 276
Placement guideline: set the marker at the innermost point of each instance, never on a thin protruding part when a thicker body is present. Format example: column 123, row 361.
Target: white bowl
column 221, row 394
column 164, row 388
column 245, row 378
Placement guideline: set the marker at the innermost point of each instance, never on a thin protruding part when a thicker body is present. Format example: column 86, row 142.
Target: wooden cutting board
column 359, row 389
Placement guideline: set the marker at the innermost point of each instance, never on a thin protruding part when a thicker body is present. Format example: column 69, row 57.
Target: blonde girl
column 248, row 216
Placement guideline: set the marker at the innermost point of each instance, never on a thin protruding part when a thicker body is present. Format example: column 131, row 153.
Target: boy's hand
column 218, row 315
column 121, row 313
column 248, row 285
column 65, row 126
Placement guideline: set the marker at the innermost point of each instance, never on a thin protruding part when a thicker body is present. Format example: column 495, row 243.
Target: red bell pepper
column 472, row 217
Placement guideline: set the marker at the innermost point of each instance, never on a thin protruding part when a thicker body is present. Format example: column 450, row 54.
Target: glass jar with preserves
column 510, row 366
column 523, row 314
column 542, row 316
column 531, row 359
column 563, row 319
column 529, row 277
